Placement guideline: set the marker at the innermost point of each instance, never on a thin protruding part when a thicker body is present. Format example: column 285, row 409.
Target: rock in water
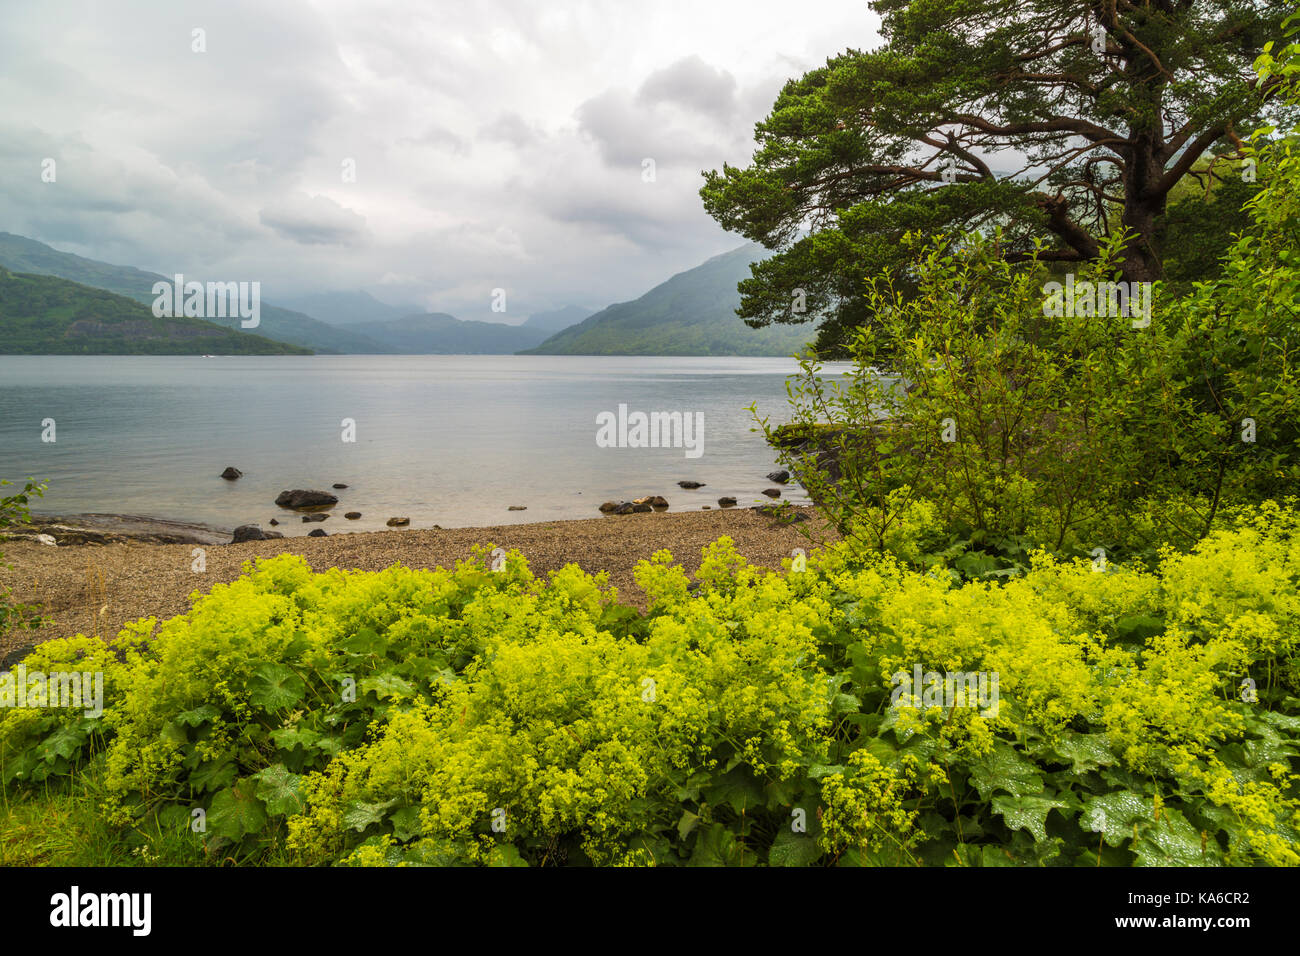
column 609, row 506
column 248, row 532
column 318, row 533
column 780, row 477
column 353, row 515
column 300, row 498
column 398, row 522
column 316, row 517
column 690, row 484
column 339, row 486
column 772, row 492
column 517, row 508
column 230, row 474
column 274, row 522
column 726, row 502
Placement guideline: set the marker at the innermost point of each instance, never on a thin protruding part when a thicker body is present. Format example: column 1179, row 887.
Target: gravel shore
column 95, row 589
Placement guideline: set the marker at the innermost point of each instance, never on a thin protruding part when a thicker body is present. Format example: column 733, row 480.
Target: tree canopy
column 1058, row 121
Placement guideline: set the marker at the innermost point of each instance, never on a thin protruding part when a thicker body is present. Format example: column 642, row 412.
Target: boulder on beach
column 316, row 517
column 398, row 522
column 654, row 501
column 781, row 476
column 353, row 515
column 45, row 539
column 300, row 498
column 339, row 486
column 726, row 502
column 610, row 506
column 268, row 535
column 641, row 508
column 248, row 532
column 230, row 474
column 690, row 484
column 626, row 508
column 772, row 492
column 275, row 521
column 318, row 533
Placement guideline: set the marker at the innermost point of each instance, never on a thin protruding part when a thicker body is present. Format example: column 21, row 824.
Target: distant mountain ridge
column 20, row 254
column 347, row 308
column 47, row 315
column 557, row 320
column 693, row 313
column 437, row 333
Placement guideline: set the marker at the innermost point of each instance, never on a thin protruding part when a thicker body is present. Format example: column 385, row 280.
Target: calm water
column 448, row 440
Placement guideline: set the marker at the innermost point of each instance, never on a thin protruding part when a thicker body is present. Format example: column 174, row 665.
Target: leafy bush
column 1070, row 431
column 479, row 717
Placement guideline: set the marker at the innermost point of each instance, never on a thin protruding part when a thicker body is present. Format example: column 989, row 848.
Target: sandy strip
column 94, row 589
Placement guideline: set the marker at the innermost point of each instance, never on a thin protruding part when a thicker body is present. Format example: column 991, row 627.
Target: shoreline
column 96, row 589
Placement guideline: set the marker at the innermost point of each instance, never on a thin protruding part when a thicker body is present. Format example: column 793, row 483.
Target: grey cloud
column 692, row 83
column 510, row 128
column 314, row 220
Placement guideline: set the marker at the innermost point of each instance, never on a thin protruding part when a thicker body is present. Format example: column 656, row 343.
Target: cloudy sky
column 496, row 144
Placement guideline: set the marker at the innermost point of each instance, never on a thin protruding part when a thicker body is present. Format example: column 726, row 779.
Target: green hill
column 693, row 313
column 20, row 254
column 436, row 333
column 46, row 315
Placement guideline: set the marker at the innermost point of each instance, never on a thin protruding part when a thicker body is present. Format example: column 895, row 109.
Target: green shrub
column 1144, row 716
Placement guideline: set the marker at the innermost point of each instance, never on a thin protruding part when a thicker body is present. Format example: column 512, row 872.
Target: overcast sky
column 497, row 144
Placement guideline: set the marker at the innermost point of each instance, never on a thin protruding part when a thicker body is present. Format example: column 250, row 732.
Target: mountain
column 436, row 333
column 20, row 254
column 693, row 313
column 46, row 315
column 347, row 308
column 557, row 321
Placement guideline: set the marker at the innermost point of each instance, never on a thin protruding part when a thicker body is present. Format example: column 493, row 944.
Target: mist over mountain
column 436, row 333
column 347, row 308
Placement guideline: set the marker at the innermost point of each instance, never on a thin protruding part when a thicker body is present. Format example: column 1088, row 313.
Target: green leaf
column 275, row 687
column 213, row 775
column 1005, row 769
column 793, row 849
column 687, row 824
column 1085, row 752
column 1113, row 815
column 386, row 684
column 1027, row 812
column 280, row 790
column 198, row 716
column 236, row 812
column 1171, row 841
column 358, row 815
column 406, row 824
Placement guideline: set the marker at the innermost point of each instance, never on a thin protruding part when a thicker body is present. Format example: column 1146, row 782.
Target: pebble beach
column 97, row 588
